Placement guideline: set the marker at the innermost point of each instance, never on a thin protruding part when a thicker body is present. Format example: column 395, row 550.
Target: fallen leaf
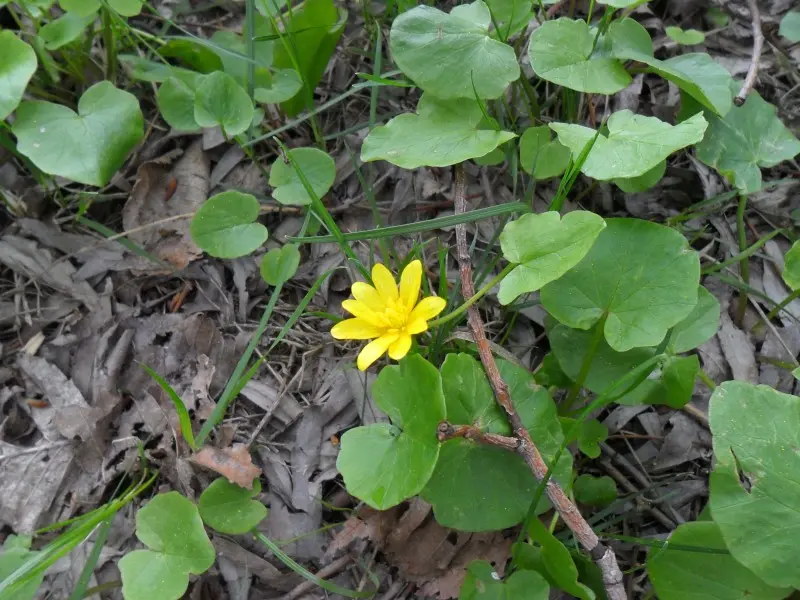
column 235, row 463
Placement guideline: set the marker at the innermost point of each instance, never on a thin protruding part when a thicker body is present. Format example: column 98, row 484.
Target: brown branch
column 446, row 431
column 758, row 45
column 602, row 555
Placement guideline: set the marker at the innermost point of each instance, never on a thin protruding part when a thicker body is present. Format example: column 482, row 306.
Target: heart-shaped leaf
column 281, row 86
column 175, row 99
column 588, row 434
column 316, row 166
column 748, row 137
column 16, row 69
column 634, row 144
column 540, row 156
column 193, row 52
column 560, row 51
column 64, row 30
column 642, row 276
column 231, row 509
column 634, row 185
column 506, row 482
column 384, row 464
column 677, row 572
column 232, row 51
column 754, row 495
column 509, row 17
column 106, row 128
column 483, row 583
column 790, row 26
column 545, row 246
column 595, row 491
column 127, row 8
column 280, row 264
column 453, row 56
column 558, row 562
column 686, row 37
column 791, row 267
column 226, row 227
column 170, row 526
column 698, row 327
column 220, row 101
column 441, row 133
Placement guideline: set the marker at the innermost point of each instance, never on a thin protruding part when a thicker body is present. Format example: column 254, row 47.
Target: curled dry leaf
column 234, row 463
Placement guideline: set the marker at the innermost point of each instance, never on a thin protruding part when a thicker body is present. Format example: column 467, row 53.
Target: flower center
column 396, row 313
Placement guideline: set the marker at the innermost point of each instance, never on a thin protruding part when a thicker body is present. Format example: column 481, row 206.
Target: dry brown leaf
column 235, row 464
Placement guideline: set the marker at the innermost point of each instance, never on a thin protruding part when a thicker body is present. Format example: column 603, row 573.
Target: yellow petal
column 384, row 283
column 427, row 308
column 374, row 350
column 368, row 295
column 363, row 312
column 416, row 326
column 355, row 329
column 400, row 347
column 410, row 282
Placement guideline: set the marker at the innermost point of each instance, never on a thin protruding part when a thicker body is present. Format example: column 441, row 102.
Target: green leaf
column 791, row 267
column 82, row 8
column 506, row 482
column 483, row 583
column 280, row 264
column 384, row 464
column 560, row 51
column 686, row 37
column 281, row 86
column 219, row 100
column 225, row 226
column 511, row 17
column 717, row 17
column 550, row 373
column 634, row 185
column 589, row 434
column 232, row 51
column 193, row 53
column 184, row 419
column 106, row 128
column 175, row 101
column 698, row 327
column 64, row 30
column 440, row 134
column 790, row 26
column 677, row 574
column 558, row 562
column 754, row 493
column 270, row 7
column 127, row 8
column 446, row 55
column 636, row 143
column 229, row 508
column 316, row 166
column 170, row 526
column 16, row 69
column 642, row 276
column 595, row 491
column 541, row 157
column 748, row 137
column 545, row 246
column 14, row 554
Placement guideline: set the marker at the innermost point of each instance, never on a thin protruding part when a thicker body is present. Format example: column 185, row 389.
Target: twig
column 758, row 45
column 602, row 555
column 447, row 431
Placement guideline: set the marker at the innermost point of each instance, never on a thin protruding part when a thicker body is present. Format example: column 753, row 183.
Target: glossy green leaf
column 384, row 464
column 193, row 53
column 64, row 30
column 439, row 134
column 447, row 54
column 791, row 267
column 175, row 100
column 540, row 156
column 316, row 166
column 281, row 86
column 558, row 562
column 16, row 69
column 229, row 508
column 106, row 128
column 127, row 8
column 560, row 51
column 280, row 264
column 754, row 493
column 643, row 276
column 170, row 526
column 595, row 491
column 678, row 574
column 220, row 101
column 507, row 485
column 483, row 583
column 14, row 553
column 634, row 185
column 686, row 37
column 634, row 143
column 82, row 8
column 226, row 225
column 494, row 158
column 790, row 26
column 748, row 137
column 588, row 434
column 545, row 246
column 699, row 326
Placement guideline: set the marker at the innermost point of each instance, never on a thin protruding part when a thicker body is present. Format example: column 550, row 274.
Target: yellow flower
column 389, row 315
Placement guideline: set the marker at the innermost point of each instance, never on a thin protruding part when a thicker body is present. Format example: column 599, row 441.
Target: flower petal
column 355, row 329
column 410, row 282
column 416, row 326
column 363, row 312
column 368, row 295
column 427, row 308
column 384, row 283
column 374, row 350
column 400, row 347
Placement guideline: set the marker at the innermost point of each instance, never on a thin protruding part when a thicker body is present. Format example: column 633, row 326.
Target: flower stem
column 478, row 295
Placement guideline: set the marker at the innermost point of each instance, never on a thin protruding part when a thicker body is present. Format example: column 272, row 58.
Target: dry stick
column 758, row 45
column 602, row 555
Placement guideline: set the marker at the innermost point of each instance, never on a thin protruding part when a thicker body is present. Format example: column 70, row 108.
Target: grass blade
column 180, row 408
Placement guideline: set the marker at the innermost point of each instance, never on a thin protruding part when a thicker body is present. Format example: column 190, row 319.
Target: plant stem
column 783, row 304
column 110, row 44
column 478, row 295
column 703, row 376
column 744, row 267
column 594, row 343
column 742, row 256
